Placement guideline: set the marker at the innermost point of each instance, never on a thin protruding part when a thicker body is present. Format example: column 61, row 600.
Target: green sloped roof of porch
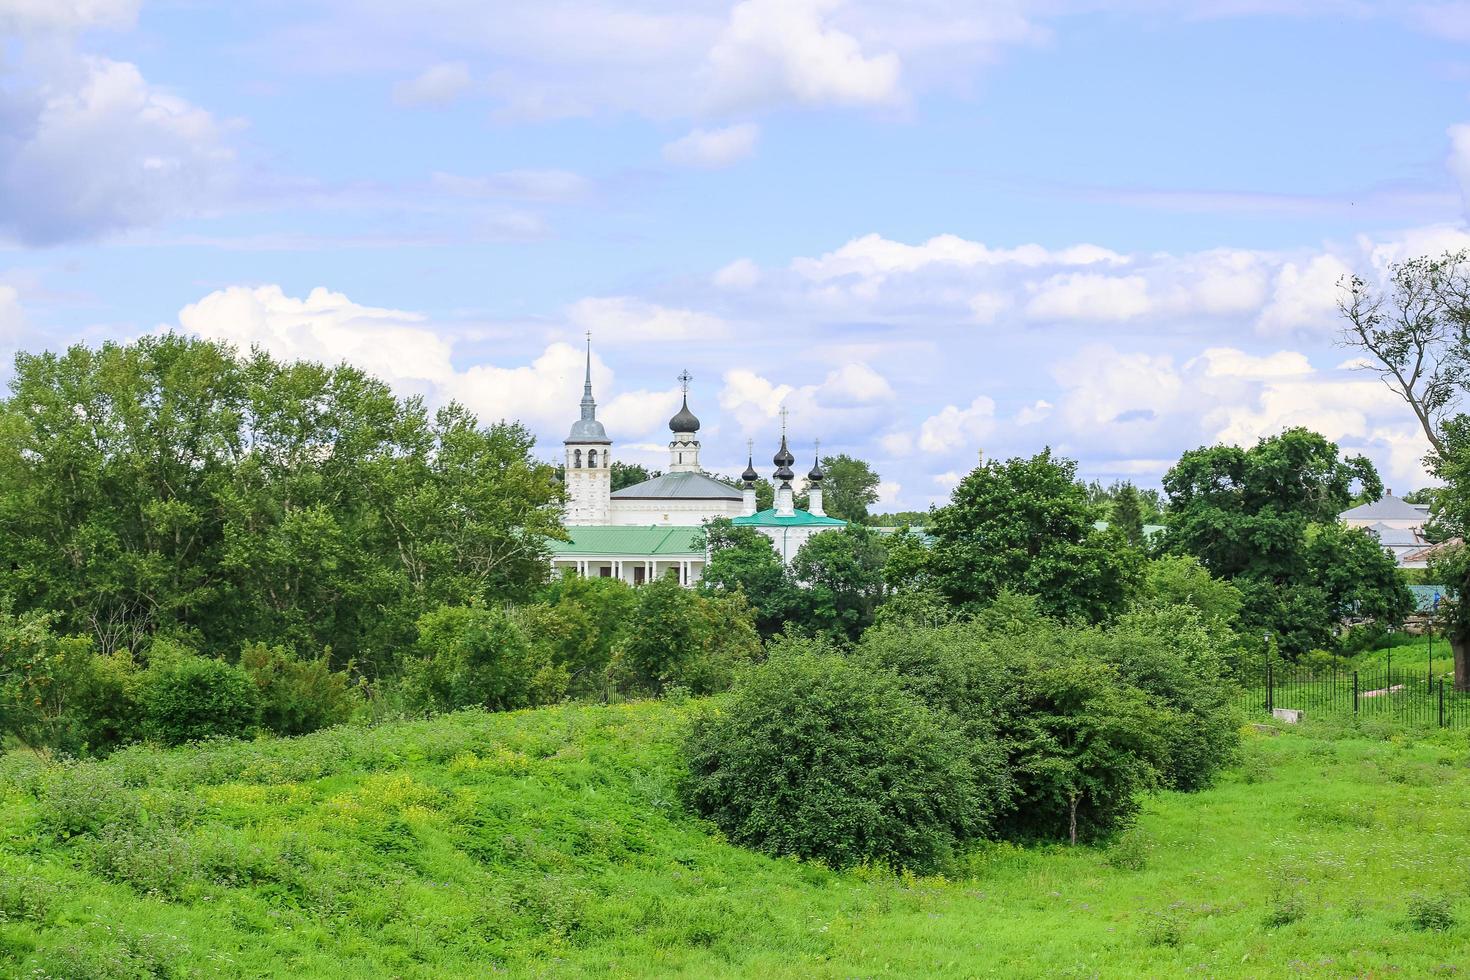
column 798, row 518
column 611, row 539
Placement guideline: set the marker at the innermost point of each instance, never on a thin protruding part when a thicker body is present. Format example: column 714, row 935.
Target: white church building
column 655, row 529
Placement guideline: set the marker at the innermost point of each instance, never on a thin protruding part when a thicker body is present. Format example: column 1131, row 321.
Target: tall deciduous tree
column 1414, row 329
column 171, row 486
column 849, row 489
column 1266, row 519
column 842, row 572
column 743, row 560
column 1026, row 525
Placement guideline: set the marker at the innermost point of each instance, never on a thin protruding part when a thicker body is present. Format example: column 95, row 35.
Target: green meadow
column 551, row 842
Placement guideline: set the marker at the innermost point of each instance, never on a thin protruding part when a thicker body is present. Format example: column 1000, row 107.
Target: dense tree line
column 172, row 488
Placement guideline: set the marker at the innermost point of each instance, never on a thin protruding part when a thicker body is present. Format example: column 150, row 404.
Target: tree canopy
column 173, row 487
column 1026, row 525
column 1266, row 518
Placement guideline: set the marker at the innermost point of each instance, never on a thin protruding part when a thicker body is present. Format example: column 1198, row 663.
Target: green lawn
column 551, row 843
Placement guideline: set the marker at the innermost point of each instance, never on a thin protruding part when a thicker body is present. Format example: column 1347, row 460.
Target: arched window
column 592, row 458
column 576, row 459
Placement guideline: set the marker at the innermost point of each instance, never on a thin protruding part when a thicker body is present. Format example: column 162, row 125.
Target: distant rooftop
column 678, row 486
column 1386, row 508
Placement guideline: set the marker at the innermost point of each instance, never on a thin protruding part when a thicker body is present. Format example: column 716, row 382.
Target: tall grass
column 552, row 843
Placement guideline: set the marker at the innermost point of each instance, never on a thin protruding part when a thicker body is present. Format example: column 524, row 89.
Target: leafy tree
column 582, row 620
column 1026, row 525
column 1151, row 501
column 814, row 757
column 677, row 636
column 1246, row 513
column 1414, row 330
column 46, row 683
column 170, row 486
column 1358, row 578
column 1127, row 515
column 849, row 489
column 1181, row 580
column 744, row 560
column 1084, row 746
column 471, row 656
column 625, row 475
column 842, row 572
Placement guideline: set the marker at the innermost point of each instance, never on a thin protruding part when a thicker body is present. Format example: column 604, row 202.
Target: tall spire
column 587, row 428
column 589, row 405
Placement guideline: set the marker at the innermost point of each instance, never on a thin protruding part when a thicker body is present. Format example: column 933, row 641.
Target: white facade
column 589, row 483
column 633, row 569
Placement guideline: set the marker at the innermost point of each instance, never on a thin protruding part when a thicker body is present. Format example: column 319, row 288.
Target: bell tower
column 588, row 464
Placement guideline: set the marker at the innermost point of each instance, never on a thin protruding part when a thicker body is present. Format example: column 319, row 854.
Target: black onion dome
column 816, row 475
column 684, row 421
column 783, row 460
column 750, row 475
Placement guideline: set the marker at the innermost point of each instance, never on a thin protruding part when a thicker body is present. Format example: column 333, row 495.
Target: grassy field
column 551, row 843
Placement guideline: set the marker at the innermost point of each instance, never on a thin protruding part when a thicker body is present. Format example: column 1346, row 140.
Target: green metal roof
column 608, row 539
column 800, row 518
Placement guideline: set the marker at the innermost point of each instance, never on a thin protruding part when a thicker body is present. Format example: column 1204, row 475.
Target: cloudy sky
column 929, row 228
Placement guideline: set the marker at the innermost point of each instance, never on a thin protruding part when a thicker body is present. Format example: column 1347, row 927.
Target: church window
column 576, row 459
column 592, row 458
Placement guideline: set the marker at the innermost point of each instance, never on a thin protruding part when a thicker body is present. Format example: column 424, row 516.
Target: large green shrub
column 298, row 696
column 186, row 697
column 676, row 636
column 471, row 656
column 56, row 695
column 816, row 757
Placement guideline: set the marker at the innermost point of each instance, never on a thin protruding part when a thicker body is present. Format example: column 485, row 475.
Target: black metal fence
column 1401, row 694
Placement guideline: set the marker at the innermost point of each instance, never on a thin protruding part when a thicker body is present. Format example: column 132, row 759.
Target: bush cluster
column 1031, row 730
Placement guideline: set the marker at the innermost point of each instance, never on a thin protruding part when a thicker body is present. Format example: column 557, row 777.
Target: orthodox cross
column 684, row 378
column 784, row 413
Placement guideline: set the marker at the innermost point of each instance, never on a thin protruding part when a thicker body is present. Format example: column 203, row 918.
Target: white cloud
column 413, row 354
column 95, row 149
column 888, row 492
column 955, row 428
column 875, row 257
column 1305, row 296
column 436, row 86
column 635, row 414
column 849, row 402
column 395, row 345
column 1227, row 362
column 773, row 50
column 1038, row 411
column 627, row 319
column 711, row 149
column 740, row 274
column 1087, row 296
column 23, row 16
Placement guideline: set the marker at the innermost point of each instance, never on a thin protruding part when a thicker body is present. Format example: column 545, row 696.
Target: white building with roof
column 1398, row 525
column 655, row 529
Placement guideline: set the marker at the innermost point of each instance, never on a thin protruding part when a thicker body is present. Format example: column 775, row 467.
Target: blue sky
column 930, row 229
